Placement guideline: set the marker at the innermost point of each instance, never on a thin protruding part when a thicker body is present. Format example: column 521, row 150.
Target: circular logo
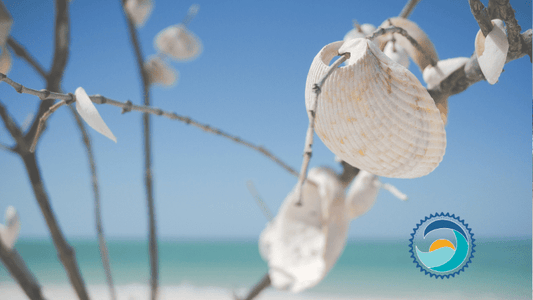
column 442, row 245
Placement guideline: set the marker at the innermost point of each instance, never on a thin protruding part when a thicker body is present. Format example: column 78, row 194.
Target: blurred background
column 249, row 81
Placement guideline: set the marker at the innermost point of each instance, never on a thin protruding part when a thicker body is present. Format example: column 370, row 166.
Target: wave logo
column 442, row 245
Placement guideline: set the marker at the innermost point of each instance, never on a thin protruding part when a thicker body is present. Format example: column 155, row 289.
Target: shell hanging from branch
column 433, row 75
column 374, row 114
column 139, row 10
column 397, row 53
column 366, row 29
column 179, row 43
column 415, row 32
column 492, row 51
column 159, row 72
column 89, row 113
column 10, row 231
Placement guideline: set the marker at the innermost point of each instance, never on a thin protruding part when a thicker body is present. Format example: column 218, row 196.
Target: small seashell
column 397, row 53
column 88, row 112
column 5, row 24
column 492, row 50
column 416, row 33
column 9, row 232
column 5, row 61
column 139, row 10
column 178, row 42
column 433, row 75
column 374, row 114
column 362, row 194
column 302, row 243
column 159, row 72
column 366, row 29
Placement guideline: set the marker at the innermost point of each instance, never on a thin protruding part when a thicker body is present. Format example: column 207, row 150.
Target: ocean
column 500, row 269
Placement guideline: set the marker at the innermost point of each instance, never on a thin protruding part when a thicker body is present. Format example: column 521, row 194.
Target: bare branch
column 258, row 288
column 501, row 9
column 259, row 200
column 394, row 29
column 14, row 130
column 102, row 245
column 18, row 269
column 311, row 127
column 480, row 14
column 6, row 148
column 148, row 180
column 408, row 8
column 42, row 122
column 20, row 51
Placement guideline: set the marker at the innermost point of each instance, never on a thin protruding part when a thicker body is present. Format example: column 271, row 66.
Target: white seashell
column 433, row 75
column 159, row 72
column 416, row 33
column 178, row 42
column 9, row 232
column 366, row 29
column 5, row 61
column 5, row 24
column 88, row 112
column 302, row 243
column 362, row 194
column 397, row 53
column 374, row 114
column 492, row 50
column 139, row 10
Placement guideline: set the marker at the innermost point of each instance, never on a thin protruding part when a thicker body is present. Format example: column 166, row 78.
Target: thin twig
column 394, row 29
column 23, row 53
column 356, row 25
column 18, row 269
column 258, row 288
column 191, row 13
column 311, row 127
column 42, row 122
column 127, row 105
column 408, row 8
column 259, row 200
column 14, row 130
column 102, row 245
column 480, row 14
column 6, row 148
column 148, row 179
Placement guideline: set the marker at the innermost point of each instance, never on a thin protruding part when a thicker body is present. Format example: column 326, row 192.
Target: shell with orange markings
column 374, row 113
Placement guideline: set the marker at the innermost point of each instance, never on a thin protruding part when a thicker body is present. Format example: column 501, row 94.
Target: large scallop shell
column 492, row 50
column 374, row 114
column 302, row 243
column 416, row 33
column 178, row 42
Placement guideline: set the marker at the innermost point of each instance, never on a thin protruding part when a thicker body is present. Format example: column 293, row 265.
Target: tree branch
column 408, row 8
column 258, row 288
column 18, row 269
column 480, row 14
column 501, row 9
column 148, row 180
column 14, row 130
column 20, row 51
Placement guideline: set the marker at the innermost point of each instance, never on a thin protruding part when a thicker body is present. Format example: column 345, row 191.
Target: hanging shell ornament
column 159, row 72
column 492, row 51
column 416, row 33
column 89, row 113
column 178, row 42
column 139, row 10
column 375, row 114
column 5, row 61
column 10, row 231
column 397, row 53
column 366, row 29
column 433, row 75
column 5, row 24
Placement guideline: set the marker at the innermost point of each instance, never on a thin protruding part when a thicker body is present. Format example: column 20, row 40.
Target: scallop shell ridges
column 375, row 114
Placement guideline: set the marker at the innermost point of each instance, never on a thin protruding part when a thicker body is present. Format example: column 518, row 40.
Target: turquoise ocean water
column 500, row 269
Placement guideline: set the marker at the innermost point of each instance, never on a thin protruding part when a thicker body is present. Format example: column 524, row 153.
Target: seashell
column 302, row 243
column 492, row 50
column 433, row 75
column 5, row 24
column 139, row 10
column 366, row 29
column 415, row 32
column 9, row 232
column 159, row 72
column 5, row 61
column 374, row 114
column 178, row 42
column 397, row 53
column 89, row 113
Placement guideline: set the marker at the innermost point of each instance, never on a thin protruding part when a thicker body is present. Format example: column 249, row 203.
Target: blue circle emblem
column 442, row 245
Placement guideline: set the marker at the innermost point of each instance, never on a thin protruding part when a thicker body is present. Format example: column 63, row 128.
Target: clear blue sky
column 250, row 81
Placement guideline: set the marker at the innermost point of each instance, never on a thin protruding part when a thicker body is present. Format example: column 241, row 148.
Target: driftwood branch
column 501, row 9
column 408, row 8
column 258, row 288
column 259, row 201
column 311, row 127
column 128, row 106
column 481, row 15
column 102, row 245
column 21, row 52
column 18, row 269
column 14, row 130
column 42, row 121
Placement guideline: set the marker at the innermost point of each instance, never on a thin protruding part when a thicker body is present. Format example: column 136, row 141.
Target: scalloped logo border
column 434, row 273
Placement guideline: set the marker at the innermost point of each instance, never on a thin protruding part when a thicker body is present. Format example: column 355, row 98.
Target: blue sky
column 250, row 81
